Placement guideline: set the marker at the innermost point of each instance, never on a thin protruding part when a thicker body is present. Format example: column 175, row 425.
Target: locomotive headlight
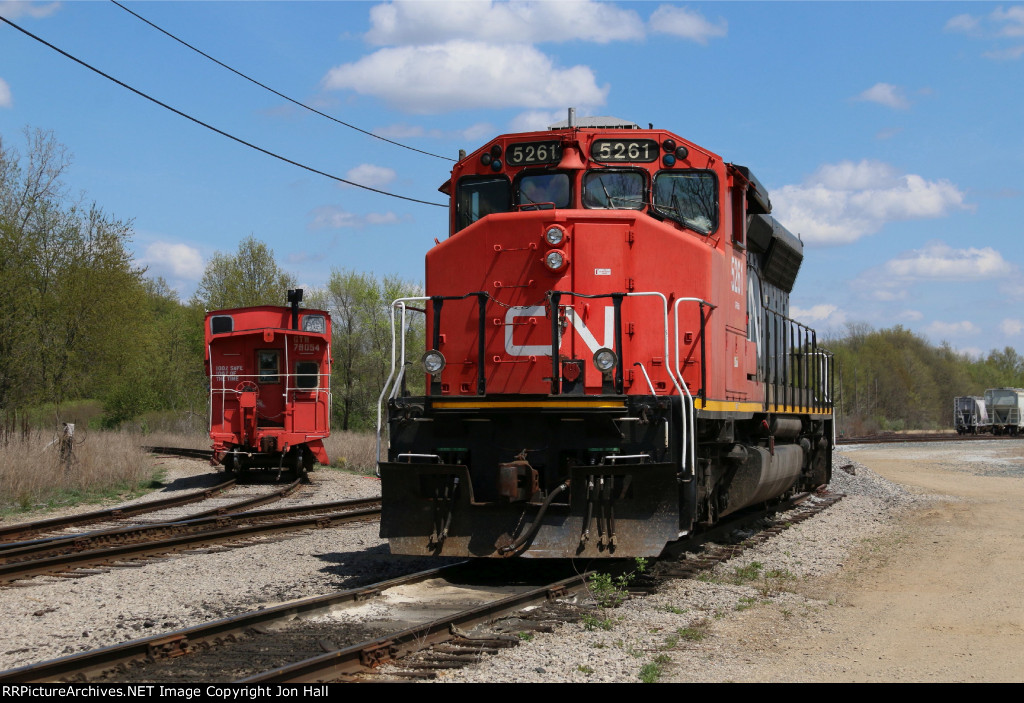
column 433, row 362
column 554, row 236
column 555, row 260
column 605, row 359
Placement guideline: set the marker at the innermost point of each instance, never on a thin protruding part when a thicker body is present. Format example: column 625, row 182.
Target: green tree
column 249, row 277
column 360, row 306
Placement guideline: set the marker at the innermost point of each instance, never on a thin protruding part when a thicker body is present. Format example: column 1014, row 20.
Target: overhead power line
column 211, row 127
column 280, row 95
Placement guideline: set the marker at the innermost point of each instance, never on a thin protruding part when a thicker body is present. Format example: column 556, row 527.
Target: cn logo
column 585, row 335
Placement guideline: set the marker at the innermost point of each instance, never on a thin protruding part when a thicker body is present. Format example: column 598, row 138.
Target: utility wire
column 280, row 95
column 211, row 127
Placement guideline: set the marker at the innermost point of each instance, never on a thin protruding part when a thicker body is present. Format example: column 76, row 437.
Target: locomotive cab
column 611, row 361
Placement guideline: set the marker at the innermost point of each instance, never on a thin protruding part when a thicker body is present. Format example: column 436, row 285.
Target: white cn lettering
column 588, row 338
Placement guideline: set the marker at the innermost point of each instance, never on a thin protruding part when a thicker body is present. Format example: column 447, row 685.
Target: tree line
column 79, row 320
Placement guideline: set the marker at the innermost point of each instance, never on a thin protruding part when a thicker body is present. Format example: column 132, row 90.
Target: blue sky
column 891, row 135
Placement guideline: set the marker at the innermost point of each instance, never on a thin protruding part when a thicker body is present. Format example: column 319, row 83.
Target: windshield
column 479, row 197
column 543, row 191
column 688, row 197
column 613, row 190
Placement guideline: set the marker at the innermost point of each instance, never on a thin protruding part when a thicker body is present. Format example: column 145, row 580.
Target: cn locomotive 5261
column 269, row 370
column 611, row 363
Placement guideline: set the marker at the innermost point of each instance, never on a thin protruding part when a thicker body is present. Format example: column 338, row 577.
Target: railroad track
column 79, row 555
column 186, row 452
column 929, row 437
column 439, row 630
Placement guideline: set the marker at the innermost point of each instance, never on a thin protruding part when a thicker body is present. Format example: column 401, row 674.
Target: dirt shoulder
column 939, row 598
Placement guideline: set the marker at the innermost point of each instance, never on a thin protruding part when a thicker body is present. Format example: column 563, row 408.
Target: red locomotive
column 611, row 363
column 270, row 386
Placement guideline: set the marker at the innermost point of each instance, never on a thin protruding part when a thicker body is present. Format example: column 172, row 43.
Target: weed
column 745, row 603
column 592, row 622
column 650, row 673
column 695, row 632
column 662, row 659
column 750, row 572
column 526, row 636
column 611, row 592
column 671, row 641
column 584, row 669
column 675, row 610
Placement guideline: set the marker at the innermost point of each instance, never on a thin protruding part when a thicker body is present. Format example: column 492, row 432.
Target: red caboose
column 269, row 370
column 611, row 361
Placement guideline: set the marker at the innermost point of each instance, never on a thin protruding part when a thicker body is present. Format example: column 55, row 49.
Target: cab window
column 543, row 191
column 478, row 197
column 613, row 190
column 689, row 198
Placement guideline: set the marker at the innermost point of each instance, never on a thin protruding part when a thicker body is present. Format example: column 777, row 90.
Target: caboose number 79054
column 269, row 371
column 611, row 361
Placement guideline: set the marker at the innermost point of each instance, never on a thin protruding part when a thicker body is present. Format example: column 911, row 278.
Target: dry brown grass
column 354, row 451
column 103, row 465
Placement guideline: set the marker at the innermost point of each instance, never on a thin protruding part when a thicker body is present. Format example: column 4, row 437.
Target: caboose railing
column 226, row 386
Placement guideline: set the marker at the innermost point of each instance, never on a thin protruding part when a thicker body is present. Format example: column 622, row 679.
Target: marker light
column 554, row 236
column 682, row 152
column 555, row 260
column 605, row 359
column 433, row 362
column 669, row 145
column 668, row 160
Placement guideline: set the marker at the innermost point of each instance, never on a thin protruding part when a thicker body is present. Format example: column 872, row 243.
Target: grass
column 352, row 451
column 650, row 673
column 103, row 466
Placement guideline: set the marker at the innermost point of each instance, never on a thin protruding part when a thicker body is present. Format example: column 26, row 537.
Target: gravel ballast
column 667, row 633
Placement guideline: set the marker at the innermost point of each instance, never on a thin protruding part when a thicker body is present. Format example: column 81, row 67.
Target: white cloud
column 535, row 120
column 963, row 23
column 466, row 74
column 1010, row 21
column 910, row 315
column 942, row 262
column 936, row 262
column 370, row 175
column 173, row 261
column 1011, row 328
column 886, row 94
column 686, row 23
column 840, row 203
column 413, row 22
column 12, row 9
column 331, row 217
column 999, row 24
column 5, row 94
column 815, row 313
column 953, row 329
column 1011, row 54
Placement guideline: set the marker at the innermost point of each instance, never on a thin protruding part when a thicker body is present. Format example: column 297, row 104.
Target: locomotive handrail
column 380, row 399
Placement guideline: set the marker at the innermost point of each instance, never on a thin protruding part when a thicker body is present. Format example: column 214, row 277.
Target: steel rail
column 82, row 666
column 362, row 657
column 65, row 562
column 27, row 529
column 129, row 511
column 54, row 546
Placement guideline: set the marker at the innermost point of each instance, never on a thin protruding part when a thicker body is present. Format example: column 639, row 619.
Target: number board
column 624, row 150
column 528, row 153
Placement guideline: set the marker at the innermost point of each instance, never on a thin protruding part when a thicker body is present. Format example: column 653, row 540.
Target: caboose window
column 219, row 324
column 613, row 190
column 314, row 323
column 307, row 374
column 689, row 198
column 269, row 370
column 478, row 197
column 543, row 191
